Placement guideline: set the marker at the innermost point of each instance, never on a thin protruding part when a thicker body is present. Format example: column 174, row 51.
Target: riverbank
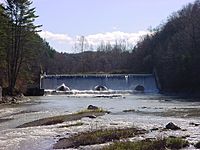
column 186, row 94
column 14, row 99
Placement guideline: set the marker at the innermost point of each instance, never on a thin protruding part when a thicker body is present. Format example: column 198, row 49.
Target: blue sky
column 100, row 20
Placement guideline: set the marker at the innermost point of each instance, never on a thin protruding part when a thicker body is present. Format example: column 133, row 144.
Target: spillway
column 119, row 82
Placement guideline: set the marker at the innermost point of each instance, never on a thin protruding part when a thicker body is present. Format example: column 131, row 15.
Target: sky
column 64, row 21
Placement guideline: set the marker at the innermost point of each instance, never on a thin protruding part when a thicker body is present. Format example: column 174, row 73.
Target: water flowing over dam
column 110, row 81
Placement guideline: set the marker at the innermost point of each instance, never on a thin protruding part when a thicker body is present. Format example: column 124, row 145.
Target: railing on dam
column 111, row 81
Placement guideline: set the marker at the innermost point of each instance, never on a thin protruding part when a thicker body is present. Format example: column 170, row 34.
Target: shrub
column 160, row 144
column 176, row 143
column 139, row 145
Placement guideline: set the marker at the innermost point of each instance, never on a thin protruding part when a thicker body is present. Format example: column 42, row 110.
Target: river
column 150, row 111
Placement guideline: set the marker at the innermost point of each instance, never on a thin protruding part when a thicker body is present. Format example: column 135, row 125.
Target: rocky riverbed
column 43, row 121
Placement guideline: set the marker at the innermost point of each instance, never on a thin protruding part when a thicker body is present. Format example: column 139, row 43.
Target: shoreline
column 19, row 99
column 183, row 94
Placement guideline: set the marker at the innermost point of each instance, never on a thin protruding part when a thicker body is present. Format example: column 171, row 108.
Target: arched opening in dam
column 100, row 88
column 139, row 88
column 117, row 82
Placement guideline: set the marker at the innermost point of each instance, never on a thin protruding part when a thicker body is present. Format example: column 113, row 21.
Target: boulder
column 63, row 87
column 91, row 107
column 194, row 124
column 172, row 126
column 91, row 116
column 154, row 129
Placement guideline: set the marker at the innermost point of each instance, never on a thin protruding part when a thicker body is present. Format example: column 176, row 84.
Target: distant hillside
column 174, row 51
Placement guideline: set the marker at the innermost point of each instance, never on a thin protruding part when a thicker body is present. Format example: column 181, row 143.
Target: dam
column 117, row 82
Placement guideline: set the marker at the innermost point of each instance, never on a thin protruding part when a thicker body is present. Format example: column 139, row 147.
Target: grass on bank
column 97, row 137
column 160, row 144
column 98, row 110
column 176, row 143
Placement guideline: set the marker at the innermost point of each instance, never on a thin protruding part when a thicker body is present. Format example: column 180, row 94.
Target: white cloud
column 112, row 37
column 68, row 42
column 64, row 38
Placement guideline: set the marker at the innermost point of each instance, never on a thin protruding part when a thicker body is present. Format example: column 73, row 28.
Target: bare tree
column 81, row 44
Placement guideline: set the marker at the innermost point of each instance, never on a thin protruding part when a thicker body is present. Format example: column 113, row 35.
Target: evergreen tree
column 21, row 18
column 3, row 41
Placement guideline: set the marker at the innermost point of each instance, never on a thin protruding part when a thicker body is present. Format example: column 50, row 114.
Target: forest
column 172, row 51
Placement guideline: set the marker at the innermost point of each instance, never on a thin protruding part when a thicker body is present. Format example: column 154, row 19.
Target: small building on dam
column 146, row 82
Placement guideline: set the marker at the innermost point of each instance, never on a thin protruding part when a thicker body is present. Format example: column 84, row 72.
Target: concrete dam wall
column 111, row 81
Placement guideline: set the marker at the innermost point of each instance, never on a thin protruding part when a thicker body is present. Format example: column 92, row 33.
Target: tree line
column 172, row 51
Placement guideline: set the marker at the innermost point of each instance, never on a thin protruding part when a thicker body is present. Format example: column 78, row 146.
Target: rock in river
column 172, row 126
column 91, row 116
column 63, row 87
column 91, row 107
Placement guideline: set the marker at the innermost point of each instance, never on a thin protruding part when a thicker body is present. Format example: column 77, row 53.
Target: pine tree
column 20, row 26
